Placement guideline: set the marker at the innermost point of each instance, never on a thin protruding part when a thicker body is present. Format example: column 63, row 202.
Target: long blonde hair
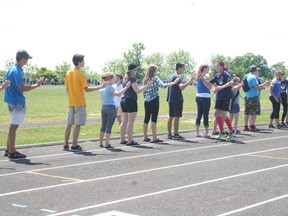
column 150, row 73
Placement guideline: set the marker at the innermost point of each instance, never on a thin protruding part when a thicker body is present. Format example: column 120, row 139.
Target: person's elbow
column 86, row 89
column 21, row 88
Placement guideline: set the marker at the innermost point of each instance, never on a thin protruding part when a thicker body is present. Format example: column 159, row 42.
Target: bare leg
column 169, row 125
column 107, row 141
column 145, row 129
column 176, row 125
column 123, row 126
column 154, row 130
column 67, row 134
column 130, row 125
column 101, row 136
column 76, row 133
column 12, row 137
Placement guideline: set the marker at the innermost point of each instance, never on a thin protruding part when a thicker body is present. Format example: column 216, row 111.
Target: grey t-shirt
column 235, row 90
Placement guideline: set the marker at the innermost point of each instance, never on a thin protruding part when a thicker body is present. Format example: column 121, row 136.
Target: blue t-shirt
column 130, row 93
column 276, row 85
column 252, row 80
column 107, row 96
column 174, row 94
column 201, row 88
column 13, row 95
column 220, row 80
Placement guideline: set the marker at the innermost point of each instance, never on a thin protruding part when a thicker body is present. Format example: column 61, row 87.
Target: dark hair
column 179, row 65
column 107, row 76
column 220, row 63
column 77, row 58
column 120, row 76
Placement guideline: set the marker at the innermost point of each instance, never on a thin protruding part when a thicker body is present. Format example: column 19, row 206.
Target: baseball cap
column 132, row 67
column 253, row 68
column 23, row 54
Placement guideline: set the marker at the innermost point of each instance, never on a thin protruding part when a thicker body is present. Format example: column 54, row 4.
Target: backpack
column 245, row 86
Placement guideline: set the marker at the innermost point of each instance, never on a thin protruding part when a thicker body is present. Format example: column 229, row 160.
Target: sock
column 220, row 123
column 228, row 122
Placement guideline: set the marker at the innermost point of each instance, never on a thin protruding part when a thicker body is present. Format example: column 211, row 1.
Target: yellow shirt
column 75, row 82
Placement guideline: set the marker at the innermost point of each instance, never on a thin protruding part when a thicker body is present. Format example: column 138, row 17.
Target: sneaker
column 132, row 143
column 170, row 136
column 178, row 137
column 271, row 126
column 237, row 131
column 221, row 135
column 229, row 136
column 283, row 125
column 76, row 148
column 16, row 155
column 66, row 148
column 246, row 128
column 254, row 129
column 6, row 153
column 124, row 142
column 215, row 133
column 278, row 126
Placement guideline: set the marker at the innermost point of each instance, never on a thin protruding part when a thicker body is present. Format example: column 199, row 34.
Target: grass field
column 49, row 104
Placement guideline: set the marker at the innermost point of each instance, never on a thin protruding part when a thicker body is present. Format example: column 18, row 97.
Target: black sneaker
column 76, row 148
column 132, row 143
column 271, row 126
column 124, row 142
column 170, row 136
column 66, row 148
column 178, row 137
column 6, row 153
column 278, row 126
column 16, row 155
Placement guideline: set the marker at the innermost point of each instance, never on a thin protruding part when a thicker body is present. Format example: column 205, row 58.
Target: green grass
column 49, row 104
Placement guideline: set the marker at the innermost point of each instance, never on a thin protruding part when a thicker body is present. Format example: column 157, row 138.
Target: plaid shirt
column 152, row 92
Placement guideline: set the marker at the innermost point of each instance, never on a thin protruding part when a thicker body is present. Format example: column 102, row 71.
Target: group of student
column 119, row 101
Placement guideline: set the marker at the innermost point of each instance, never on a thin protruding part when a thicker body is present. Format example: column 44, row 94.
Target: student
column 76, row 84
column 234, row 105
column 203, row 101
column 151, row 101
column 223, row 80
column 118, row 86
column 283, row 97
column 275, row 99
column 108, row 111
column 16, row 100
column 129, row 105
column 175, row 100
column 251, row 97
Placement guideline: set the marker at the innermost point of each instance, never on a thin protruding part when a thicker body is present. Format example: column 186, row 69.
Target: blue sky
column 53, row 30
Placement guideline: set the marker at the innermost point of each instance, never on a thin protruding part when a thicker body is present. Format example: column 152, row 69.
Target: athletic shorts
column 222, row 105
column 76, row 115
column 175, row 110
column 17, row 113
column 234, row 109
column 129, row 105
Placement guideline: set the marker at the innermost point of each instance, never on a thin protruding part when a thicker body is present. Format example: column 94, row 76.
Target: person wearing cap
column 251, row 97
column 129, row 104
column 223, row 80
column 16, row 100
column 76, row 84
column 175, row 100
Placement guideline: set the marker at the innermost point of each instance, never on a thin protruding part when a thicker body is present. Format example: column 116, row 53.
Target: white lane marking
column 254, row 205
column 115, row 213
column 115, row 159
column 138, row 172
column 19, row 206
column 87, row 150
column 133, row 157
column 47, row 210
column 170, row 190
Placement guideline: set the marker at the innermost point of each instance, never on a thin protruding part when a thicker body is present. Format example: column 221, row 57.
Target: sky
column 52, row 31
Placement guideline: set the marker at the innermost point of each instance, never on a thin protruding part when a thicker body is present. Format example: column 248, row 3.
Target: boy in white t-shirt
column 118, row 86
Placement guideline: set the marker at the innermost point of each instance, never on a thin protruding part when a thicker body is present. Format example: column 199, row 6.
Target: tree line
column 238, row 65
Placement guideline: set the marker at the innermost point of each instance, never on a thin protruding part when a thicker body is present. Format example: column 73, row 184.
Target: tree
column 240, row 65
column 116, row 66
column 135, row 56
column 180, row 56
column 62, row 69
column 278, row 66
column 8, row 63
column 159, row 60
column 49, row 74
column 218, row 57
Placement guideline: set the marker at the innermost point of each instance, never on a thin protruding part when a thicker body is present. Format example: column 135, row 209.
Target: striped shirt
column 152, row 92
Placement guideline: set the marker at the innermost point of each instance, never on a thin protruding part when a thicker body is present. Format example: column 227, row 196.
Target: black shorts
column 129, row 105
column 222, row 105
column 175, row 110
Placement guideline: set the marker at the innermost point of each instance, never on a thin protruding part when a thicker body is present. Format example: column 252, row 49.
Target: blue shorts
column 235, row 109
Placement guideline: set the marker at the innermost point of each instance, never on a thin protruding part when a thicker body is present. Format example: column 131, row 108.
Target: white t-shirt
column 117, row 99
